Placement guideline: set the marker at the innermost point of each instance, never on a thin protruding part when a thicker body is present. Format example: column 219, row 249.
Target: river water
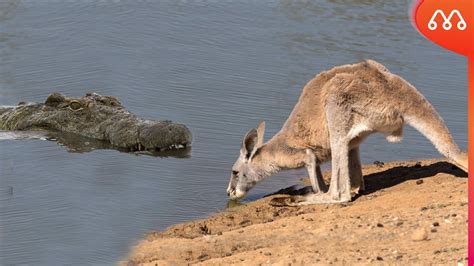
column 219, row 67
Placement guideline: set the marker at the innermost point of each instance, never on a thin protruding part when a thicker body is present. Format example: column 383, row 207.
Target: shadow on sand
column 388, row 178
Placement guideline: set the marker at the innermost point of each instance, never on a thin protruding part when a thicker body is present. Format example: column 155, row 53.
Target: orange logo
column 446, row 23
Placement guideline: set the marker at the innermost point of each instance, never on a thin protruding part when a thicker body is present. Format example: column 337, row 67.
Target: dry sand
column 411, row 213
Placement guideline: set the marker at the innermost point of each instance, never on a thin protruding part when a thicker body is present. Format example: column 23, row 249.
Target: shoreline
column 411, row 212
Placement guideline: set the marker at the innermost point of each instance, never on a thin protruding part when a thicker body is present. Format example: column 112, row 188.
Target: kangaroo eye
column 236, row 173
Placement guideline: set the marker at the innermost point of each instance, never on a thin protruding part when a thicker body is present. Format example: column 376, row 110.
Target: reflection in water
column 79, row 144
column 233, row 203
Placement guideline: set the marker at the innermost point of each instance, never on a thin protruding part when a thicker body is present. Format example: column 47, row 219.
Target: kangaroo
column 336, row 112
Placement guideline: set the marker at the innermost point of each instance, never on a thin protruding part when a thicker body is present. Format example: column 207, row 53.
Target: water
column 219, row 67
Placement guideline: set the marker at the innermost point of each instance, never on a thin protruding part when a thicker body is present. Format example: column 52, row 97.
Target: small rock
column 309, row 219
column 419, row 181
column 379, row 258
column 447, row 221
column 419, row 234
column 379, row 225
column 300, row 212
column 245, row 223
column 435, row 224
column 433, row 230
column 343, row 205
column 219, row 233
column 379, row 163
column 399, row 223
column 267, row 253
column 418, row 164
column 202, row 256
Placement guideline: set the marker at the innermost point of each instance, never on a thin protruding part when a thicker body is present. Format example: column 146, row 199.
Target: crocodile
column 97, row 117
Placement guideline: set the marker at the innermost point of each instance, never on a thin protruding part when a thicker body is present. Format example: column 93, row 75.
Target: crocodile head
column 99, row 117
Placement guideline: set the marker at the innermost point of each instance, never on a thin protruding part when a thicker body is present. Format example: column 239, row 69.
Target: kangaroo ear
column 248, row 143
column 260, row 134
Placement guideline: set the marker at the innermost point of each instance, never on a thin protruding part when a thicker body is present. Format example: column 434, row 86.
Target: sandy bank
column 412, row 212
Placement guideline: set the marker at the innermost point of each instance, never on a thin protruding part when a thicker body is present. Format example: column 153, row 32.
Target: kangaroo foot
column 325, row 198
column 319, row 198
column 461, row 161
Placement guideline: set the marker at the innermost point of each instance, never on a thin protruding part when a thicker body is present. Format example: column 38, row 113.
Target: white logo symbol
column 447, row 25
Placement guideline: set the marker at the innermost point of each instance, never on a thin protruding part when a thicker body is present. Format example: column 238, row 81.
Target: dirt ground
column 411, row 213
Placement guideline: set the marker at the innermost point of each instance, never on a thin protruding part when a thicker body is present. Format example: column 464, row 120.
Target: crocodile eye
column 75, row 105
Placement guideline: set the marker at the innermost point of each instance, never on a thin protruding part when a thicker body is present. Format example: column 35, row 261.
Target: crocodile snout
column 164, row 135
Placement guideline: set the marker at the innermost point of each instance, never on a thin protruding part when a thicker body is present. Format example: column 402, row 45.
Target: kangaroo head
column 249, row 168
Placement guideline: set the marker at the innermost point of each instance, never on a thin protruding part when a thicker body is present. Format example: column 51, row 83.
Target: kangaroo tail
column 421, row 115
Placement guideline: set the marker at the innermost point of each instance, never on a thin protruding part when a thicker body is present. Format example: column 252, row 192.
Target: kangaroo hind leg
column 355, row 172
column 340, row 188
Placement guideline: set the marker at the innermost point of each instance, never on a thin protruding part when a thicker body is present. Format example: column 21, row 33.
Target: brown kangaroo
column 336, row 112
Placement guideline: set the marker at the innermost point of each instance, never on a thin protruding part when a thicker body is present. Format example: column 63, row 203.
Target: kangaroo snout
column 229, row 191
column 236, row 194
